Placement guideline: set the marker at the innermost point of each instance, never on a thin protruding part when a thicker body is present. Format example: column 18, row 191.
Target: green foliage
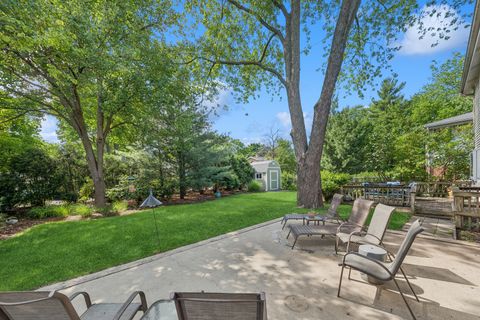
column 388, row 137
column 331, row 183
column 254, row 186
column 242, row 169
column 289, row 181
column 87, row 190
column 120, row 206
column 48, row 212
column 80, row 209
column 29, row 177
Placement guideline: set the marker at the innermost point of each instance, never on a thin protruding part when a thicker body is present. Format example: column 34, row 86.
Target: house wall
column 476, row 127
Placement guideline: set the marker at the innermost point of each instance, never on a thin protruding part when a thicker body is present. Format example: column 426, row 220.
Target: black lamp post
column 152, row 202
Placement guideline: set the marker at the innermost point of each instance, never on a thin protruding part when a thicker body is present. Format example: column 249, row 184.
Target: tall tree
column 80, row 62
column 259, row 43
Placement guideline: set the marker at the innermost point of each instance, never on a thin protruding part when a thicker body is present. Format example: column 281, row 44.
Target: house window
column 258, row 176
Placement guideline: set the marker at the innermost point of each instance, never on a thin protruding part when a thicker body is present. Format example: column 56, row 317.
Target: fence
column 466, row 207
column 380, row 193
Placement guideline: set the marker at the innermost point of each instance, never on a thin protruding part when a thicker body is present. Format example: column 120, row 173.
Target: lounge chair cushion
column 108, row 311
column 368, row 266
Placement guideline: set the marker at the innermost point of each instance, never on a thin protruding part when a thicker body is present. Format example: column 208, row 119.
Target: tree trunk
column 181, row 176
column 309, row 186
column 309, row 154
column 94, row 162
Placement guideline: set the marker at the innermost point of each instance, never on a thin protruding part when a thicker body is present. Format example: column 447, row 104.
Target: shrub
column 107, row 210
column 120, row 206
column 254, row 186
column 87, row 190
column 48, row 212
column 289, row 181
column 332, row 182
column 80, row 209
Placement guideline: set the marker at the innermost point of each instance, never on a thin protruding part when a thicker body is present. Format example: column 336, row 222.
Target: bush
column 120, row 206
column 332, row 182
column 289, row 181
column 80, row 209
column 107, row 210
column 87, row 190
column 254, row 186
column 48, row 212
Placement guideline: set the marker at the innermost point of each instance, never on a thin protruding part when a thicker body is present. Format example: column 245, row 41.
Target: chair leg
column 336, row 245
column 340, row 283
column 404, row 299
column 408, row 282
column 283, row 225
column 349, row 273
column 288, row 235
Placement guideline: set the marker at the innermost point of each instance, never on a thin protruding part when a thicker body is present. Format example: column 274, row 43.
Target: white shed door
column 274, row 180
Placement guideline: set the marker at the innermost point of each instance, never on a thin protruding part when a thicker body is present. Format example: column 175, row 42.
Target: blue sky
column 411, row 63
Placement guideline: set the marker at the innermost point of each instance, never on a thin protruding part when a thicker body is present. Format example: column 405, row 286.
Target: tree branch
column 260, row 19
column 258, row 63
column 280, row 5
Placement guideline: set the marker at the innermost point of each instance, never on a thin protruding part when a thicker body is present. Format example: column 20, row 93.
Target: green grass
column 62, row 250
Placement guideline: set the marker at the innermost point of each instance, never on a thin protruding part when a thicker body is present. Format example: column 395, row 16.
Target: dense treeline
column 387, row 140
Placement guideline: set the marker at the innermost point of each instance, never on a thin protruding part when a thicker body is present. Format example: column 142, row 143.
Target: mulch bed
column 7, row 231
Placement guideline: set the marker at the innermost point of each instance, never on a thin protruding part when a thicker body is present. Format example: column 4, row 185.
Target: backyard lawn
column 62, row 250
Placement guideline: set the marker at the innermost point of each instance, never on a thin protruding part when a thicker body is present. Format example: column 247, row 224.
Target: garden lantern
column 152, row 202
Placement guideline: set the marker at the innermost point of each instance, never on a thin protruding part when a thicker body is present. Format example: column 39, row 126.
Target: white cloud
column 412, row 44
column 284, row 118
column 48, row 130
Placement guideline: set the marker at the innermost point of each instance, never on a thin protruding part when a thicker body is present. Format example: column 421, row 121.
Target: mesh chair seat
column 368, row 266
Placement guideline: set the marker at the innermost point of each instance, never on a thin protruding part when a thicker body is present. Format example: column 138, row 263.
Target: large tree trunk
column 94, row 161
column 309, row 154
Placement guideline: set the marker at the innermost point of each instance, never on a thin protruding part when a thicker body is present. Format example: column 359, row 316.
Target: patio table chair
column 332, row 212
column 212, row 306
column 45, row 305
column 384, row 271
column 355, row 222
column 375, row 231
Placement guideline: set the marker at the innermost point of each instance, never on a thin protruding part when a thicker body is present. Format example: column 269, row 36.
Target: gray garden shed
column 268, row 173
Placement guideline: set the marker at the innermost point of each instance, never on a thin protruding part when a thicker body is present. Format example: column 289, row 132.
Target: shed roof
column 451, row 122
column 262, row 166
column 471, row 66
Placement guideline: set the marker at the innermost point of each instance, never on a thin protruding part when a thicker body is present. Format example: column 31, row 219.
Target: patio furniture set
column 364, row 252
column 364, row 244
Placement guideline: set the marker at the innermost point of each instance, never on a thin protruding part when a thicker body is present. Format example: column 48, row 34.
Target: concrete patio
column 300, row 283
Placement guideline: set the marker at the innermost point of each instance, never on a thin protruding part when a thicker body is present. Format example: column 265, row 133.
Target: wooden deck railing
column 380, row 193
column 466, row 207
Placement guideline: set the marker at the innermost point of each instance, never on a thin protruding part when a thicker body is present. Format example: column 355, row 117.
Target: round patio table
column 373, row 252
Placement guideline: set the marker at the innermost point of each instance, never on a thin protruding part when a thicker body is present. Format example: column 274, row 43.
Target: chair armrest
column 85, row 295
column 27, row 301
column 359, row 233
column 125, row 305
column 344, row 224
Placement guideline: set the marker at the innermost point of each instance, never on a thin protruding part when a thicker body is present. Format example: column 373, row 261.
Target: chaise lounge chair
column 332, row 213
column 375, row 232
column 44, row 305
column 213, row 306
column 355, row 222
column 384, row 271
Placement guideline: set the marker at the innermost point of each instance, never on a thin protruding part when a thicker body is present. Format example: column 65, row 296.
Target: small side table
column 316, row 220
column 373, row 252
